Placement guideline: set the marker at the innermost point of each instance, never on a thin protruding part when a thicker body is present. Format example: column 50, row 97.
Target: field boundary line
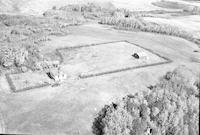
column 15, row 90
column 167, row 60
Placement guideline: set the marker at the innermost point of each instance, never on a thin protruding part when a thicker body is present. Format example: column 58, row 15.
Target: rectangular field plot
column 105, row 58
column 26, row 81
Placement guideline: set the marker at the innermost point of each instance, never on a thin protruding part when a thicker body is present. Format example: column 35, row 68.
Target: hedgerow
column 170, row 108
column 137, row 23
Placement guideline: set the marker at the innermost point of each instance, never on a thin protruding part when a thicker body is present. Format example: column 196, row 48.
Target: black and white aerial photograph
column 99, row 67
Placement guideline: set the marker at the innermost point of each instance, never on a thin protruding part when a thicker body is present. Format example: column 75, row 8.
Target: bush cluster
column 169, row 108
column 10, row 57
column 29, row 29
column 20, row 37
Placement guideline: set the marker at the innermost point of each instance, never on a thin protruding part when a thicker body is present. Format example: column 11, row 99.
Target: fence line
column 167, row 60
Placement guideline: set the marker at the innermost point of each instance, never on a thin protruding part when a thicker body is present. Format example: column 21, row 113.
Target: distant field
column 105, row 58
column 169, row 4
column 189, row 23
column 73, row 105
column 37, row 7
column 176, row 3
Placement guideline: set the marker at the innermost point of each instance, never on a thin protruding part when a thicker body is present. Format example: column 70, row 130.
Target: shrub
column 54, row 8
column 171, row 107
column 20, row 57
column 11, row 56
column 7, row 56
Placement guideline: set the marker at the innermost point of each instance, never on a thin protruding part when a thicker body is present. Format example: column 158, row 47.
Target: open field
column 56, row 110
column 104, row 58
column 88, row 54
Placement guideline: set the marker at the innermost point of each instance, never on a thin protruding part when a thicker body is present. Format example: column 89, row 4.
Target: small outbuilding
column 140, row 55
column 136, row 56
